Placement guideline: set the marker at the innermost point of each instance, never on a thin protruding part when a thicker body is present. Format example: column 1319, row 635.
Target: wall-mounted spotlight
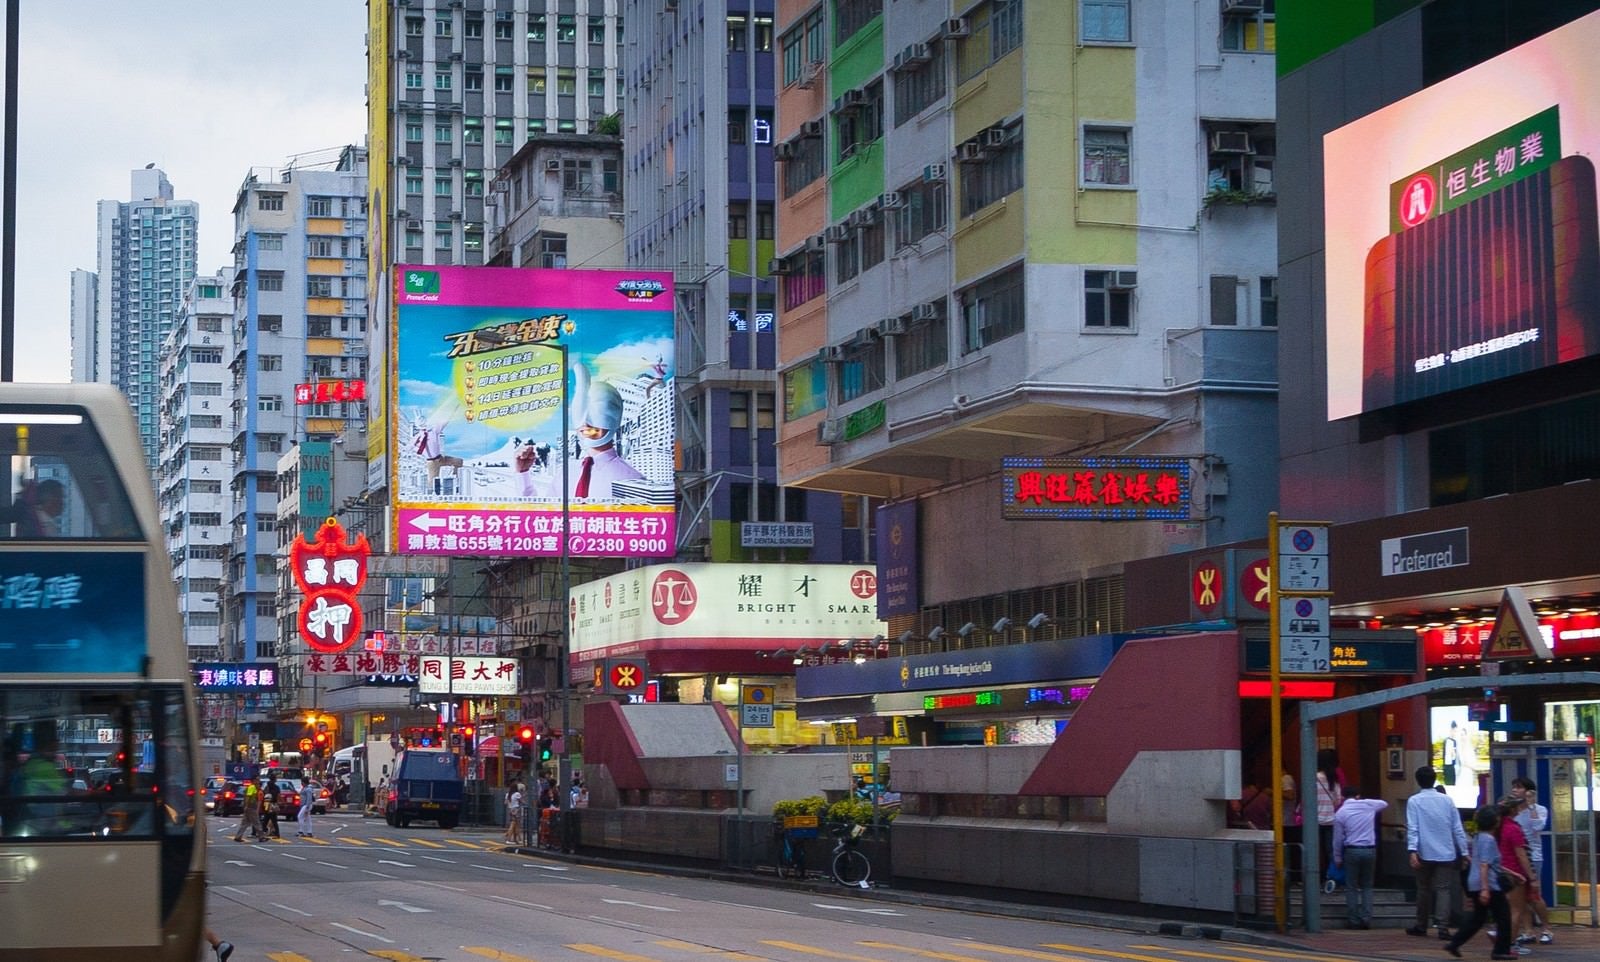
column 1001, row 625
column 936, row 633
column 1038, row 621
column 967, row 629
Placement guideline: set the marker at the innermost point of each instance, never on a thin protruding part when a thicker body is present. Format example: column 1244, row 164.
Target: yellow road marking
column 388, row 841
column 396, row 955
column 423, row 841
column 457, row 841
column 825, row 953
column 925, row 953
column 682, row 946
column 1114, row 954
column 317, row 841
column 495, row 954
column 1030, row 953
column 609, row 953
column 352, row 841
column 287, row 957
column 1313, row 957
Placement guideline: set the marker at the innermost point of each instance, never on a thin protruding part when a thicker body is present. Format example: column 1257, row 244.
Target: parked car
column 210, row 789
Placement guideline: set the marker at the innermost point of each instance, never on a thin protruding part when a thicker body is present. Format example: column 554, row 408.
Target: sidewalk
column 1572, row 943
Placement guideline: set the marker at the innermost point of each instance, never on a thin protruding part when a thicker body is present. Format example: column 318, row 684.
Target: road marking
column 396, row 955
column 338, row 829
column 852, row 908
column 1134, row 957
column 709, row 950
column 370, row 935
column 758, row 908
column 379, row 874
column 925, row 953
column 297, row 858
column 605, row 921
column 290, row 908
column 495, row 954
column 235, row 890
column 317, row 841
column 352, row 841
column 413, row 909
column 1031, row 954
column 601, row 950
column 642, row 905
column 387, row 841
column 457, row 841
column 241, row 864
column 436, row 858
column 489, row 868
column 547, row 868
column 1246, row 948
column 287, row 957
column 528, row 905
column 332, row 864
column 809, row 950
column 423, row 841
column 389, row 861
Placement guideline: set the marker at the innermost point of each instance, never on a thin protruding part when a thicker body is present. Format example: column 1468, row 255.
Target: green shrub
column 813, row 805
column 858, row 810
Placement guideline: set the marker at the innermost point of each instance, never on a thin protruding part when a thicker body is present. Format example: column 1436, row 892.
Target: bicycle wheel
column 850, row 867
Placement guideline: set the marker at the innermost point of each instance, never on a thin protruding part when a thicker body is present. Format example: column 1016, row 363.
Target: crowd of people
column 546, row 804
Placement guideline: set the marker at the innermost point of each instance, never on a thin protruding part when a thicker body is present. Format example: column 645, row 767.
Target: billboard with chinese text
column 898, row 582
column 467, row 676
column 1462, row 243
column 1109, row 488
column 77, row 613
column 730, row 605
column 480, row 462
column 235, row 677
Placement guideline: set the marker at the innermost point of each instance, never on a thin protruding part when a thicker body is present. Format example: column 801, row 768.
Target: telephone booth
column 1565, row 775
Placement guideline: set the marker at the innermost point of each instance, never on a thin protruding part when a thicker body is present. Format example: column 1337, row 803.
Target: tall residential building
column 299, row 291
column 1018, row 228
column 698, row 196
column 145, row 262
column 85, row 293
column 196, row 463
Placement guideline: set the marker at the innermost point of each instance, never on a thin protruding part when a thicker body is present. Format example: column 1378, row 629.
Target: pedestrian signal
column 544, row 749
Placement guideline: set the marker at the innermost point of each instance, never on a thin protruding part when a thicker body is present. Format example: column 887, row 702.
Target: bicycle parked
column 791, row 856
column 850, row 865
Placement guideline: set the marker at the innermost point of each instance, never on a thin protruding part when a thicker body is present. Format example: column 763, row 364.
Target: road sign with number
column 1303, row 634
column 1303, row 558
column 757, row 716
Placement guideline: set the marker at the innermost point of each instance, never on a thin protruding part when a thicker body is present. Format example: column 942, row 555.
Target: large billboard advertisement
column 1461, row 228
column 379, row 254
column 478, row 451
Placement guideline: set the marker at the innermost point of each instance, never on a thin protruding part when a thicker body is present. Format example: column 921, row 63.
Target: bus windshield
column 60, row 482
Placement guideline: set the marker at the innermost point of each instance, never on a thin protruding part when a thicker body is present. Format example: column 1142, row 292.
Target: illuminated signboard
column 736, row 321
column 330, row 392
column 1461, row 229
column 329, row 572
column 467, row 676
column 235, row 677
column 72, row 612
column 964, row 699
column 363, row 663
column 1113, row 488
column 480, row 462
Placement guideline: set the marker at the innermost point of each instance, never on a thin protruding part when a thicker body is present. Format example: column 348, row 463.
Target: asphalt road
column 362, row 889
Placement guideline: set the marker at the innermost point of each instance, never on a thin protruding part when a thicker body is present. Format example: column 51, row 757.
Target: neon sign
column 330, row 571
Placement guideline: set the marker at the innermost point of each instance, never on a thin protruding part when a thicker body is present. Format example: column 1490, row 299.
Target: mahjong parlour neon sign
column 330, row 571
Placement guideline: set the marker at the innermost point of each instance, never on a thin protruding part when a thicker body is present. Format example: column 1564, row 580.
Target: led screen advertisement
column 478, row 451
column 1461, row 226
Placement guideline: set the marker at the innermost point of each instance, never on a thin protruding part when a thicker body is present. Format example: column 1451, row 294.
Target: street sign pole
column 1279, row 889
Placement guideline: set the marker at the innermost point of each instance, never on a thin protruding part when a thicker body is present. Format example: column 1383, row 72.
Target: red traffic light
column 322, row 739
column 525, row 734
column 466, row 730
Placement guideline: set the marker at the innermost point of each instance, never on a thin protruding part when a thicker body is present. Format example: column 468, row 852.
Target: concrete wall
column 768, row 779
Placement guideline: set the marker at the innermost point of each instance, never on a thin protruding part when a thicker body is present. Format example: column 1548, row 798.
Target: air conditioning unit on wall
column 1230, row 142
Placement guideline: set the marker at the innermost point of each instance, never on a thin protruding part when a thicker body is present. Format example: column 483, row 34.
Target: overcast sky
column 204, row 89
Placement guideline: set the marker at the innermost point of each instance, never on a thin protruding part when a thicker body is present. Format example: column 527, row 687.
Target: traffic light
column 525, row 736
column 320, row 743
column 468, row 743
column 544, row 749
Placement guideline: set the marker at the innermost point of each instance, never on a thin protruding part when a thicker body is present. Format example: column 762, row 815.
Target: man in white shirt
column 1437, row 844
column 1355, row 849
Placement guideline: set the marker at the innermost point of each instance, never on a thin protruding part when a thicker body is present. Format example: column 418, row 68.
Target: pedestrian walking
column 222, row 947
column 513, row 834
column 1437, row 844
column 270, row 796
column 308, row 800
column 1533, row 817
column 1483, row 878
column 1515, row 867
column 251, row 816
column 1355, row 849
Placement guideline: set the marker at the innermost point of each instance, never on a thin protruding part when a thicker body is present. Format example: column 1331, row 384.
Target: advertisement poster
column 72, row 613
column 1461, row 236
column 480, row 446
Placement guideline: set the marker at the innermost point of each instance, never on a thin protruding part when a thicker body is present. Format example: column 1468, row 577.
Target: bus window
column 60, row 481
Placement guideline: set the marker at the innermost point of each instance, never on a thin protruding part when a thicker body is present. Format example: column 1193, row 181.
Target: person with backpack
column 251, row 817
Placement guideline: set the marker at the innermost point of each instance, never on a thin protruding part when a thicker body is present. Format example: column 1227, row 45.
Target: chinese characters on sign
column 212, row 676
column 467, row 676
column 1096, row 489
column 363, row 663
column 329, row 571
column 776, row 534
column 330, row 392
column 1494, row 162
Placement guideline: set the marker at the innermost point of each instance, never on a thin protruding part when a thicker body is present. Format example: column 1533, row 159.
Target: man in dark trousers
column 1438, row 847
column 270, row 794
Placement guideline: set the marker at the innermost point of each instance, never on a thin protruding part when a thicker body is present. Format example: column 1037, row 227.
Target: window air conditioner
column 828, row 432
column 892, row 326
column 916, row 54
column 832, row 352
column 783, row 151
column 778, row 266
column 994, row 137
column 926, row 311
column 402, row 55
column 956, row 28
column 455, row 162
column 809, row 75
column 814, row 242
column 1230, row 142
column 1241, row 6
column 932, row 172
column 970, row 152
column 1124, row 280
column 836, row 234
column 891, row 200
column 552, row 164
column 856, row 220
column 811, row 128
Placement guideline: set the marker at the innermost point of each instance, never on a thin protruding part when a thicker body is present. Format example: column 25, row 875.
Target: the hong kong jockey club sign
column 330, row 571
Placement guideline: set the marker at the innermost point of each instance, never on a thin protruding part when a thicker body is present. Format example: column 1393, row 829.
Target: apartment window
column 472, row 29
column 925, row 345
column 413, row 181
column 441, row 134
column 472, row 240
column 206, row 389
column 442, row 186
column 414, row 79
column 471, row 133
column 851, row 15
column 265, row 524
column 739, row 410
column 270, row 323
column 567, row 127
column 272, row 362
column 738, row 122
column 577, row 175
column 860, row 125
column 536, row 27
column 504, row 79
column 502, row 30
column 809, row 279
column 1108, row 299
column 597, row 30
column 441, row 80
column 925, row 210
column 566, row 81
column 766, row 225
column 805, row 164
column 1105, row 157
column 415, row 26
column 473, row 183
column 566, row 28
column 265, row 201
column 536, row 126
column 212, row 325
column 442, row 27
column 1240, row 160
column 1224, row 300
column 319, row 326
column 1105, row 21
column 204, row 355
column 992, row 310
column 269, row 281
column 502, row 133
column 597, row 84
column 918, row 86
column 536, row 80
column 738, row 223
column 414, row 239
column 552, row 250
column 269, row 443
column 1269, row 302
column 997, row 175
column 472, row 80
column 209, row 519
column 994, row 30
column 802, row 45
column 1250, row 31
column 873, row 237
column 846, row 260
column 318, row 286
column 736, row 27
column 862, row 369
column 442, row 238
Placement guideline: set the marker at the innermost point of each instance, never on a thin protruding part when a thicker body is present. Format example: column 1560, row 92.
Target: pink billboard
column 483, row 462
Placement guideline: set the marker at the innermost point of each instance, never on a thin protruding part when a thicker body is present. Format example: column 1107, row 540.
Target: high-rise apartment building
column 1018, row 228
column 85, row 293
column 144, row 264
column 299, row 290
column 196, row 466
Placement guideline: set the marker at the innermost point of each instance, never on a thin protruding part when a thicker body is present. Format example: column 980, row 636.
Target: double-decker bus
column 101, row 855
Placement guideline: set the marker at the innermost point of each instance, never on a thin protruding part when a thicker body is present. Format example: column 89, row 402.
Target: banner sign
column 1112, row 488
column 898, row 587
column 369, row 663
column 488, row 357
column 235, row 677
column 467, row 676
column 78, row 613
